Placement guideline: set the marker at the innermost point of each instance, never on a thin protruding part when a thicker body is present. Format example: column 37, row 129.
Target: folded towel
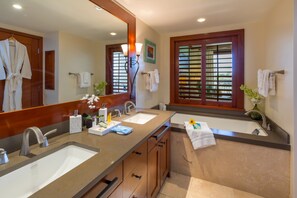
column 84, row 79
column 263, row 82
column 156, row 74
column 272, row 90
column 201, row 137
column 153, row 86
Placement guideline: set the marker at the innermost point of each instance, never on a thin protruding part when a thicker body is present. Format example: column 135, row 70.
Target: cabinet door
column 154, row 172
column 164, row 145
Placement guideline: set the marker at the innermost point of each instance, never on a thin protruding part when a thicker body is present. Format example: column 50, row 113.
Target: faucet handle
column 3, row 156
column 45, row 141
column 118, row 112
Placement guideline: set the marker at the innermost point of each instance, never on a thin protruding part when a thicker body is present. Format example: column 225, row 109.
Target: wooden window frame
column 109, row 69
column 237, row 37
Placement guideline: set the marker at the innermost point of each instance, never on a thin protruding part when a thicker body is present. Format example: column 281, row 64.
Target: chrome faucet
column 118, row 112
column 25, row 150
column 264, row 123
column 45, row 141
column 3, row 156
column 127, row 107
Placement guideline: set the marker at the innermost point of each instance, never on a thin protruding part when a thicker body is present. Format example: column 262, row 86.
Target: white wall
column 144, row 98
column 279, row 55
column 76, row 55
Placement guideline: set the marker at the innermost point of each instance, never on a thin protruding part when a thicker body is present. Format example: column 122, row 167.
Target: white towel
column 272, row 90
column 202, row 137
column 151, row 82
column 266, row 82
column 84, row 79
column 156, row 74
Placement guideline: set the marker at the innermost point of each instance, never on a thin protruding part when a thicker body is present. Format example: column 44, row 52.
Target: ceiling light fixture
column 201, row 20
column 98, row 8
column 17, row 6
column 113, row 33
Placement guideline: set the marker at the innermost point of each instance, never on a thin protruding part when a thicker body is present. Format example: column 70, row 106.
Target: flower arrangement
column 99, row 88
column 91, row 100
column 194, row 124
column 252, row 94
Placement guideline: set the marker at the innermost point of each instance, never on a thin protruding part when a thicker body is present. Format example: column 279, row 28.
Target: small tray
column 98, row 130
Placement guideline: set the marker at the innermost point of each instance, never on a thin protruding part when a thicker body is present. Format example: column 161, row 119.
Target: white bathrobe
column 14, row 66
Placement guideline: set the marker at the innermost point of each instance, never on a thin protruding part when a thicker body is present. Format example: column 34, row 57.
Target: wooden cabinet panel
column 164, row 145
column 141, row 190
column 107, row 185
column 153, row 172
column 118, row 193
column 158, row 160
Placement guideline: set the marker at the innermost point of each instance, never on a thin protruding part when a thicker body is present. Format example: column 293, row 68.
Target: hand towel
column 156, row 74
column 84, row 79
column 153, row 85
column 272, row 90
column 263, row 82
column 202, row 137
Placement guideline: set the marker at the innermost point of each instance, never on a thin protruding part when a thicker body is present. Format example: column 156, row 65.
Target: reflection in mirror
column 61, row 37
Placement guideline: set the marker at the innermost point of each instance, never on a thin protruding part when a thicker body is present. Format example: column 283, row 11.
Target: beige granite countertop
column 113, row 149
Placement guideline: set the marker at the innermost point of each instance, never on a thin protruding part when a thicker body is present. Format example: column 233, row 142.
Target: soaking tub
column 227, row 125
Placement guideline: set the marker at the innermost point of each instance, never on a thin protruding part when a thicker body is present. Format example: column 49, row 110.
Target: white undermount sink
column 140, row 118
column 34, row 175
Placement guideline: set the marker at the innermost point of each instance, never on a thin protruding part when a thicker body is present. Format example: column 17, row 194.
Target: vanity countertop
column 113, row 149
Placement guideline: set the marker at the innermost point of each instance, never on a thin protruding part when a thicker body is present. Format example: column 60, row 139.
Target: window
column 208, row 69
column 116, row 70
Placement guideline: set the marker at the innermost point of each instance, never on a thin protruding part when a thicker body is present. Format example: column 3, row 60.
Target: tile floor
column 181, row 186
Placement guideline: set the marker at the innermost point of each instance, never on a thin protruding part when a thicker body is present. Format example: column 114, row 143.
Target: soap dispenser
column 75, row 123
column 103, row 113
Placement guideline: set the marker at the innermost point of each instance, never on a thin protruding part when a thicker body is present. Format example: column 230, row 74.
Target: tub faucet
column 3, row 156
column 264, row 123
column 25, row 149
column 128, row 105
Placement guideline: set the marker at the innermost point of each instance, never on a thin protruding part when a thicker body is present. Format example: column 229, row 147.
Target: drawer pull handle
column 110, row 184
column 137, row 176
column 162, row 142
column 157, row 137
column 160, row 145
column 137, row 153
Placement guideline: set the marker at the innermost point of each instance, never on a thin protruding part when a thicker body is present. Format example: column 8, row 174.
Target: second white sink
column 140, row 118
column 33, row 176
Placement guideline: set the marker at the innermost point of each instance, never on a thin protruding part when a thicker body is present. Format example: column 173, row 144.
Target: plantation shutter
column 208, row 69
column 189, row 72
column 218, row 71
column 119, row 73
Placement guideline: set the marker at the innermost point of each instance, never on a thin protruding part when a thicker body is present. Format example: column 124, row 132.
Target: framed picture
column 149, row 52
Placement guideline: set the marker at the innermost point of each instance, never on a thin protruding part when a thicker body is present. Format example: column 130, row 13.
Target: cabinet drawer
column 134, row 179
column 141, row 190
column 153, row 140
column 108, row 184
column 139, row 155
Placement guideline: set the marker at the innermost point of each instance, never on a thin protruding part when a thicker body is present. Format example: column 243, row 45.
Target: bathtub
column 231, row 125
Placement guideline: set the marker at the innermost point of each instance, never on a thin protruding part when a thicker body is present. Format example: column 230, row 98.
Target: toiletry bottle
column 75, row 123
column 103, row 113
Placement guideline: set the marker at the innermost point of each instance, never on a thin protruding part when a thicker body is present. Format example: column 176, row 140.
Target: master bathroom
column 167, row 99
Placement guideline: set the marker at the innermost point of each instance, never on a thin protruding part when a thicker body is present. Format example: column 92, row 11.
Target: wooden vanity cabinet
column 158, row 160
column 135, row 173
column 109, row 186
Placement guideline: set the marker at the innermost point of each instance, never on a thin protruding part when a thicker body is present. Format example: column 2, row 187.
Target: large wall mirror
column 63, row 39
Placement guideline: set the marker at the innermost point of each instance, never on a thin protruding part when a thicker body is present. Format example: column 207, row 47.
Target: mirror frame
column 15, row 122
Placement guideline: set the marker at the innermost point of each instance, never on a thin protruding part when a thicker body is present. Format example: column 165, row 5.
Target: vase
column 255, row 115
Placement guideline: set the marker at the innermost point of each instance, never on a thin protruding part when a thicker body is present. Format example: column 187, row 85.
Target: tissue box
column 98, row 130
column 75, row 124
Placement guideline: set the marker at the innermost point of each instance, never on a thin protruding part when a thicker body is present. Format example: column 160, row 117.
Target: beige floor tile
column 176, row 186
column 242, row 194
column 181, row 186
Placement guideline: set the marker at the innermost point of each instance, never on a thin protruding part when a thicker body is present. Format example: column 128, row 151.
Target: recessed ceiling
column 78, row 17
column 179, row 15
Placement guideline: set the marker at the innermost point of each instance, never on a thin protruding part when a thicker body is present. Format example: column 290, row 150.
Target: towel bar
column 75, row 74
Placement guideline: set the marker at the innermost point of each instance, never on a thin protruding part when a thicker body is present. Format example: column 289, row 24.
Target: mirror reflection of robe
column 15, row 61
